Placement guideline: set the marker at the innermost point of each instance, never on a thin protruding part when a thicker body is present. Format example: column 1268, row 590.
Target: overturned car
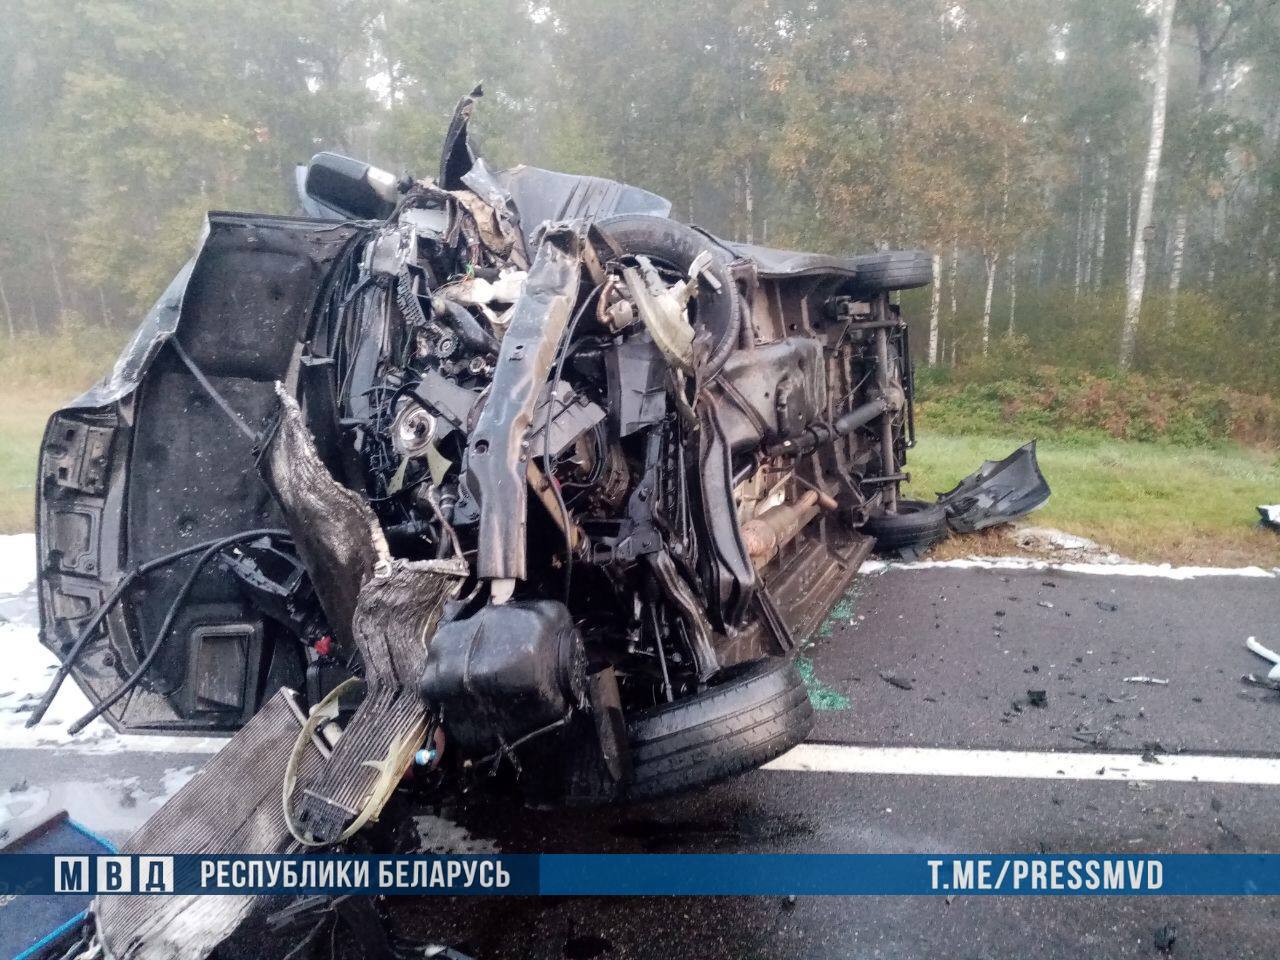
column 503, row 474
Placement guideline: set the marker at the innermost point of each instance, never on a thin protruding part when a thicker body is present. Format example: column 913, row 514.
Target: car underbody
column 588, row 418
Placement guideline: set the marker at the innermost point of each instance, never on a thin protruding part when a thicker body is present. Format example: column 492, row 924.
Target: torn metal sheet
column 336, row 535
column 529, row 348
column 1270, row 514
column 999, row 491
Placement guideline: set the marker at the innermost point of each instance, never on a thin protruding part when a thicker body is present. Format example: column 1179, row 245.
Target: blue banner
column 649, row 874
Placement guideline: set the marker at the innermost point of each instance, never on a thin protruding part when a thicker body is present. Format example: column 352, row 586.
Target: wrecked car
column 500, row 474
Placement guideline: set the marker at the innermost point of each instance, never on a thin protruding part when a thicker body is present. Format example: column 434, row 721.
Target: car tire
column 893, row 270
column 916, row 524
column 758, row 712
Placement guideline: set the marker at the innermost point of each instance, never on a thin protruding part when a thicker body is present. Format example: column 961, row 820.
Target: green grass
column 22, row 419
column 1149, row 501
column 38, row 375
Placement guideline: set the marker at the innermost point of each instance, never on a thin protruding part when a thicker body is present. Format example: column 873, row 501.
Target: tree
column 1150, row 176
column 161, row 110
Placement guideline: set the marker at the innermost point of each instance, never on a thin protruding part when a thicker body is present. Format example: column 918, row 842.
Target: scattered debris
column 822, row 696
column 1266, row 654
column 895, row 680
column 1094, row 738
column 1154, row 681
column 1257, row 681
column 1232, row 842
column 1165, row 938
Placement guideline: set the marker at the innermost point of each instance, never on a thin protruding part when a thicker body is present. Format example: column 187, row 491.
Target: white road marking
column 1027, row 765
column 1162, row 571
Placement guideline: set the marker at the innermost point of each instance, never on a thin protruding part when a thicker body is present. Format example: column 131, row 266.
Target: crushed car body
column 505, row 473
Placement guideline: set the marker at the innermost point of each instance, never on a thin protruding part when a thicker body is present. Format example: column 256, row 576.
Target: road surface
column 951, row 756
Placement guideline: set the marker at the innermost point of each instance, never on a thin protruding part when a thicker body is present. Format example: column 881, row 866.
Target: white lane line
column 1027, row 765
column 1163, row 571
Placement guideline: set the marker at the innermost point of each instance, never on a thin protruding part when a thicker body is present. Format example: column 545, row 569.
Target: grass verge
column 22, row 419
column 37, row 376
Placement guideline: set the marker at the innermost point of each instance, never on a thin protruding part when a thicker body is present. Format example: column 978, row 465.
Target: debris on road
column 1165, row 938
column 1257, row 681
column 1266, row 654
column 1094, row 738
column 1038, row 698
column 1154, row 681
column 895, row 680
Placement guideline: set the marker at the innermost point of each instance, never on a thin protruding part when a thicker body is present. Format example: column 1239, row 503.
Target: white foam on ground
column 26, row 668
column 1027, row 765
column 113, row 805
column 17, row 562
column 1162, row 571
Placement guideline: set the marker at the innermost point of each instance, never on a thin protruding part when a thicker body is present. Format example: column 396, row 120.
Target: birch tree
column 1150, row 177
column 1175, row 271
column 935, row 301
column 1013, row 290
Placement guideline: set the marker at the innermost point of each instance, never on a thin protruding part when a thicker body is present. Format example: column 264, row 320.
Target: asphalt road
column 969, row 644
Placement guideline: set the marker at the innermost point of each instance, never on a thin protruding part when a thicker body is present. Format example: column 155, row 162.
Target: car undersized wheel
column 757, row 712
column 915, row 525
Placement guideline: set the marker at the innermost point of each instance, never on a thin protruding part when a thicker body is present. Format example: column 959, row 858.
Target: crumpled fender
column 997, row 492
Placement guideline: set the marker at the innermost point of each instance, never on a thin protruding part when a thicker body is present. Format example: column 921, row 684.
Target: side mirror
column 348, row 187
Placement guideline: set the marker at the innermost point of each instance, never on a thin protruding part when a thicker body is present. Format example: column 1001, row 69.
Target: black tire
column 916, row 524
column 894, row 270
column 664, row 239
column 759, row 712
